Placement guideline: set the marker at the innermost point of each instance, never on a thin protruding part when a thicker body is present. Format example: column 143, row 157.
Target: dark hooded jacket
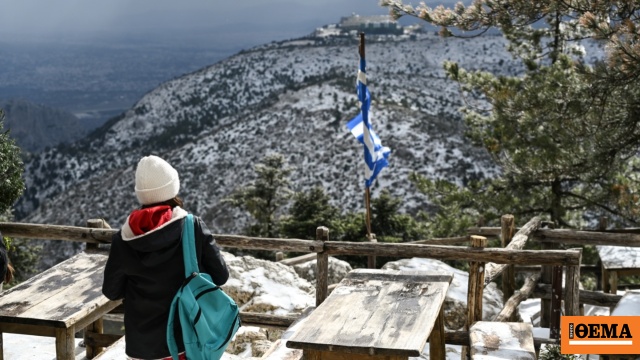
column 146, row 271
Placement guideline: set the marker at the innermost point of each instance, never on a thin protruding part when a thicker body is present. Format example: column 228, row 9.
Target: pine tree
column 266, row 195
column 11, row 169
column 308, row 211
column 564, row 132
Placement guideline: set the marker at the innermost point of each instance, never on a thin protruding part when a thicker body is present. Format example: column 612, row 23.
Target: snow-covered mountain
column 293, row 97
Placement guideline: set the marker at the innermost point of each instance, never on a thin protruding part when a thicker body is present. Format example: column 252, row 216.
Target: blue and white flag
column 375, row 155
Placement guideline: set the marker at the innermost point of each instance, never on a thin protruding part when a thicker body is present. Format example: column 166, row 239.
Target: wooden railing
column 496, row 259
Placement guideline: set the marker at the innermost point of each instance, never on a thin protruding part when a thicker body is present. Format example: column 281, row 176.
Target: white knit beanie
column 156, row 180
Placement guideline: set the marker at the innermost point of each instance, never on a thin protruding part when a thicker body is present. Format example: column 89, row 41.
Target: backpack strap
column 190, row 267
column 189, row 247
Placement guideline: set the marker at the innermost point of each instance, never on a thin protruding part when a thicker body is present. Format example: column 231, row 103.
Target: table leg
column 436, row 339
column 613, row 282
column 65, row 344
column 95, row 327
column 605, row 281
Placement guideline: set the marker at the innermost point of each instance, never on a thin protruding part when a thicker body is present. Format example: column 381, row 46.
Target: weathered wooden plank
column 57, row 232
column 61, row 296
column 322, row 267
column 74, row 303
column 543, row 291
column 267, row 320
column 298, row 259
column 376, row 313
column 498, row 256
column 618, row 237
column 460, row 240
column 580, row 237
column 255, row 243
column 71, row 273
column 612, row 260
column 27, row 329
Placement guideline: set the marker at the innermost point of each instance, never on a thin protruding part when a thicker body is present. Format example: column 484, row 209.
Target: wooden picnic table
column 617, row 261
column 377, row 314
column 59, row 302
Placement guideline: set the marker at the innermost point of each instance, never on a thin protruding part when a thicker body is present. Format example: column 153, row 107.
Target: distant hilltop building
column 378, row 24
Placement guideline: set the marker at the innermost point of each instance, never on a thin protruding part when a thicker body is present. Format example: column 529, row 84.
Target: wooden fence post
column 508, row 276
column 371, row 260
column 475, row 290
column 546, row 274
column 572, row 285
column 322, row 267
column 556, row 302
column 97, row 326
column 96, row 224
column 279, row 256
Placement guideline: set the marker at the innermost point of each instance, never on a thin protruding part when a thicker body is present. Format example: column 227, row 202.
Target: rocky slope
column 294, row 98
column 36, row 127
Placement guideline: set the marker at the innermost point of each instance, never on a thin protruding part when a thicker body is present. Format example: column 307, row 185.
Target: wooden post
column 556, row 303
column 98, row 325
column 96, row 224
column 279, row 256
column 371, row 260
column 475, row 290
column 322, row 267
column 436, row 339
column 572, row 285
column 65, row 343
column 508, row 276
column 545, row 278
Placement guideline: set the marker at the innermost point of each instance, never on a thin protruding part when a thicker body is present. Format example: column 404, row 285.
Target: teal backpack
column 209, row 318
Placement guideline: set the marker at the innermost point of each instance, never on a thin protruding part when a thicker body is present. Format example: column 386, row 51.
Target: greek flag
column 375, row 155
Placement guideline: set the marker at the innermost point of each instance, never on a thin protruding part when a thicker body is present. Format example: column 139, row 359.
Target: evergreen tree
column 308, row 211
column 564, row 132
column 389, row 224
column 11, row 169
column 23, row 254
column 265, row 196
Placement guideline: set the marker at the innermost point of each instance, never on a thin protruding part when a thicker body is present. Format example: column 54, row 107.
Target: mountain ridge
column 36, row 127
column 292, row 97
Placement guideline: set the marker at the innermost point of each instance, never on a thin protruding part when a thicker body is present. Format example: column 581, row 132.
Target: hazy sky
column 262, row 19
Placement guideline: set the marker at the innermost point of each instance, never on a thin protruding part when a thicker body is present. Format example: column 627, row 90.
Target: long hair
column 8, row 276
column 176, row 201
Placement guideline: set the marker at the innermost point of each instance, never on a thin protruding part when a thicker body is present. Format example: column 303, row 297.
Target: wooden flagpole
column 371, row 260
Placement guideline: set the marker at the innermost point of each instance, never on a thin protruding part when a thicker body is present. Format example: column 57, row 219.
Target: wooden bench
column 501, row 340
column 617, row 261
column 59, row 302
column 377, row 314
